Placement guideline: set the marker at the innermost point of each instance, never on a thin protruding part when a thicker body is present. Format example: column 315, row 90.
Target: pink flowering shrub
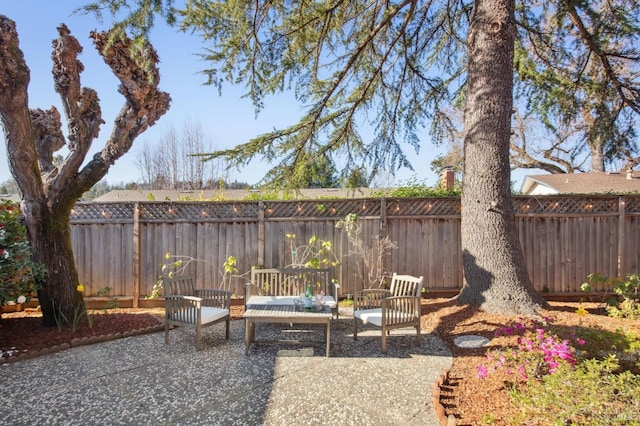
column 538, row 352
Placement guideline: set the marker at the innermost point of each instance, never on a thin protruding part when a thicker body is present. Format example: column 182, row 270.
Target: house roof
column 224, row 194
column 582, row 183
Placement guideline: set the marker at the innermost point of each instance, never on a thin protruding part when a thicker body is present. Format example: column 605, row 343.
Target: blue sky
column 226, row 119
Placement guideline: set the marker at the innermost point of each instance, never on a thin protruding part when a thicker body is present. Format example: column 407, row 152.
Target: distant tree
column 147, row 165
column 556, row 153
column 452, row 159
column 50, row 191
column 237, row 185
column 587, row 91
column 357, row 179
column 320, row 173
column 8, row 187
column 175, row 160
column 96, row 190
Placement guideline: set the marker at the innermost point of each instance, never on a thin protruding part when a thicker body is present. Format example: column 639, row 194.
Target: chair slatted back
column 179, row 285
column 406, row 285
column 290, row 281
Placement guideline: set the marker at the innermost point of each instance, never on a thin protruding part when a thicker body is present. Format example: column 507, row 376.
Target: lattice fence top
column 114, row 212
column 423, row 207
column 322, row 208
column 632, row 204
column 167, row 211
column 198, row 211
column 565, row 205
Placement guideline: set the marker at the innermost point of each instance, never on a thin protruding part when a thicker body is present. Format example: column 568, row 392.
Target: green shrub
column 593, row 393
column 626, row 302
column 415, row 188
column 19, row 275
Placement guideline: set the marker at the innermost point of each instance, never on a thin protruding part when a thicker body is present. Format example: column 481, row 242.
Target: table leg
column 328, row 336
column 249, row 327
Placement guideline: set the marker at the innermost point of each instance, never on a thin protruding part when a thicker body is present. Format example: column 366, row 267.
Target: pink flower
column 523, row 372
column 482, row 372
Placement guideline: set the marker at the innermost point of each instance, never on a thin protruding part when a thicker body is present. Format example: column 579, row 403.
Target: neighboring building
column 133, row 195
column 582, row 183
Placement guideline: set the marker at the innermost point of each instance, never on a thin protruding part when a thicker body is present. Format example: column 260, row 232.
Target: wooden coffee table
column 284, row 314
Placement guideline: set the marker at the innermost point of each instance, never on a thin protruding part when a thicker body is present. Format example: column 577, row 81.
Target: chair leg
column 384, row 340
column 419, row 334
column 198, row 338
column 166, row 333
column 355, row 329
column 228, row 323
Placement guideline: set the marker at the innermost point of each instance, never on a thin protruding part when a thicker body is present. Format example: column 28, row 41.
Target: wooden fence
column 564, row 238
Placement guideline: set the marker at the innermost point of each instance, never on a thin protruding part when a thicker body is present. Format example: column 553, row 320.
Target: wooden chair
column 188, row 307
column 398, row 307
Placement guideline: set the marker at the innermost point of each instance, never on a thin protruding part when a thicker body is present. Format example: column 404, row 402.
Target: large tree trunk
column 50, row 237
column 495, row 274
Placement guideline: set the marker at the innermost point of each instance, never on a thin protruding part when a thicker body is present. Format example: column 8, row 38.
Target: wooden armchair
column 188, row 307
column 398, row 307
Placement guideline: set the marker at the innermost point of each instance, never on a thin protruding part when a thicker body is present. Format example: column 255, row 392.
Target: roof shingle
column 583, row 183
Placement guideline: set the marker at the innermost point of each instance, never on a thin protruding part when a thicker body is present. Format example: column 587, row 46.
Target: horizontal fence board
column 564, row 239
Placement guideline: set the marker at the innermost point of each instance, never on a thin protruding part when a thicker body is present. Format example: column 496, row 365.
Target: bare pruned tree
column 177, row 162
column 49, row 189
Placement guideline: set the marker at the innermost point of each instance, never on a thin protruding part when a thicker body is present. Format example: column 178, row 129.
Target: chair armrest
column 187, row 301
column 369, row 298
column 333, row 290
column 250, row 289
column 215, row 297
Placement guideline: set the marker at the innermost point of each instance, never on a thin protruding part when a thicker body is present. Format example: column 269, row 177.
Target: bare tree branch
column 47, row 131
column 14, row 112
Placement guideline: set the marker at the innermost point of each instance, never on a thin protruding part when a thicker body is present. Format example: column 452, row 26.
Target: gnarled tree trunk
column 50, row 237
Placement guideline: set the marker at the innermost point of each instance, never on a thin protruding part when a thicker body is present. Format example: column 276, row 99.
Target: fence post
column 621, row 237
column 137, row 269
column 260, row 234
column 383, row 218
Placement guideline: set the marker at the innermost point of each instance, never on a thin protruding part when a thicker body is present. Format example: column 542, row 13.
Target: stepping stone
column 470, row 341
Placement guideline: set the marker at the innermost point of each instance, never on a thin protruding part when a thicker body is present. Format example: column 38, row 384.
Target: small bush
column 593, row 393
column 539, row 352
column 19, row 275
column 626, row 302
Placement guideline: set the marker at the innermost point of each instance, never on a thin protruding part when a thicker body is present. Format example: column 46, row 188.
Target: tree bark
column 597, row 155
column 495, row 274
column 50, row 237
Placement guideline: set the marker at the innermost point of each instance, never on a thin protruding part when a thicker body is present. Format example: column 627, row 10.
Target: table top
column 284, row 311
